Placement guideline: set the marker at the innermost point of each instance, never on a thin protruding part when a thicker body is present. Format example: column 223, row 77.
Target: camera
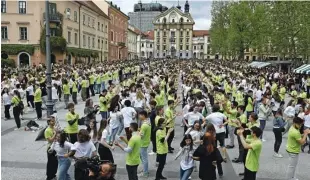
column 94, row 164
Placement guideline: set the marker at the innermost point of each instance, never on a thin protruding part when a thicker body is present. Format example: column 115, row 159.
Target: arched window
column 142, row 53
column 181, row 20
column 173, row 21
column 164, row 20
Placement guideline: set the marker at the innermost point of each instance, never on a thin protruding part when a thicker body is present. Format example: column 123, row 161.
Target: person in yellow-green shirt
column 84, row 88
column 145, row 133
column 91, row 84
column 16, row 109
column 38, row 101
column 249, row 106
column 282, row 92
column 294, row 142
column 72, row 127
column 242, row 123
column 74, row 91
column 161, row 147
column 66, row 91
column 103, row 104
column 170, row 118
column 160, row 97
column 133, row 151
column 254, row 147
column 274, row 87
column 98, row 83
column 232, row 118
column 50, row 136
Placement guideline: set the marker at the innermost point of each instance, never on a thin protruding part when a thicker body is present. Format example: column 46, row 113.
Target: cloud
column 199, row 9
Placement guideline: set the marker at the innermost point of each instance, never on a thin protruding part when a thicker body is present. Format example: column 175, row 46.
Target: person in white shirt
column 289, row 114
column 114, row 123
column 219, row 120
column 54, row 95
column 30, row 93
column 307, row 126
column 61, row 146
column 7, row 103
column 191, row 117
column 129, row 114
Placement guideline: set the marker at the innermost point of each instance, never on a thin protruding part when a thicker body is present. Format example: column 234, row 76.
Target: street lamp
column 49, row 103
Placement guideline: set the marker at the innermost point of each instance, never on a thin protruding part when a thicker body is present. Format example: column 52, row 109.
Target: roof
column 115, row 7
column 188, row 15
column 91, row 5
column 149, row 35
column 200, row 33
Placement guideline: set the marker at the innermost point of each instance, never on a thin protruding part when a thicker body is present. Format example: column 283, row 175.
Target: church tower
column 186, row 8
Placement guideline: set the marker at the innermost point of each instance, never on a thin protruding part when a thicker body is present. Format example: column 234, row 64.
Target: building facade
column 132, row 42
column 79, row 32
column 201, row 44
column 173, row 33
column 118, row 48
column 142, row 17
column 145, row 45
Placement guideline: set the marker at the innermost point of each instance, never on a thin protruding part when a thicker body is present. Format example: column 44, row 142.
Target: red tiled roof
column 150, row 35
column 199, row 33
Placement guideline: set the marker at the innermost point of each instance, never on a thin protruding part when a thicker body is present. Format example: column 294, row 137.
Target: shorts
column 220, row 137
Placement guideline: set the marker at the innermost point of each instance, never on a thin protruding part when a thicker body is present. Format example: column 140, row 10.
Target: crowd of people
column 138, row 104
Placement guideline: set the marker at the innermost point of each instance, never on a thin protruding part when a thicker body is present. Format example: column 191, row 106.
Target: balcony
column 122, row 44
column 54, row 17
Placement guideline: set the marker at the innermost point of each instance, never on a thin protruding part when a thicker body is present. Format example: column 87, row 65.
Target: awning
column 254, row 64
column 302, row 69
column 263, row 64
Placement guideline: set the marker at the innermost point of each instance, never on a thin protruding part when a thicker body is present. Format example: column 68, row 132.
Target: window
column 180, row 54
column 164, row 48
column 172, row 20
column 69, row 37
column 164, row 33
column 93, row 25
column 4, row 32
column 181, row 33
column 157, row 33
column 181, row 40
column 102, row 27
column 23, row 33
column 164, row 54
column 99, row 26
column 112, row 36
column 84, row 19
column 75, row 38
column 151, row 46
column 52, row 8
column 93, row 42
column 68, row 13
column 157, row 54
column 254, row 58
column 142, row 45
column 247, row 50
column 106, row 44
column 84, row 40
column 254, row 50
column 187, row 47
column 98, row 43
column 75, row 16
column 53, row 31
column 186, row 54
column 247, row 57
column 22, row 7
column 101, row 44
column 3, row 6
column 194, row 47
column 201, row 46
column 187, row 33
column 106, row 28
column 88, row 22
column 158, row 47
column 88, row 42
column 181, row 47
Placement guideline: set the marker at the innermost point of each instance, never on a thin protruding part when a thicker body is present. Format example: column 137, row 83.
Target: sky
column 199, row 9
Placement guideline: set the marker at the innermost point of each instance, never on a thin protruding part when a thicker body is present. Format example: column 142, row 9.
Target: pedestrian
column 66, row 91
column 294, row 142
column 206, row 155
column 38, row 101
column 263, row 114
column 54, row 96
column 72, row 128
column 153, row 126
column 186, row 152
column 74, row 91
column 170, row 123
column 162, row 147
column 104, row 149
column 145, row 133
column 114, row 122
column 52, row 162
column 103, row 104
column 307, row 126
column 129, row 115
column 254, row 150
column 278, row 128
column 62, row 147
column 16, row 100
column 132, row 150
column 6, row 102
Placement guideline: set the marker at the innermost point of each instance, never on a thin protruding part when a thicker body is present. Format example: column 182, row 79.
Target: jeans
column 241, row 149
column 98, row 87
column 66, row 99
column 293, row 161
column 161, row 164
column 74, row 97
column 104, row 115
column 231, row 130
column 31, row 98
column 51, row 167
column 112, row 135
column 144, row 159
column 121, row 127
column 63, row 167
column 38, row 106
column 278, row 139
column 91, row 88
column 185, row 174
column 102, row 86
column 262, row 127
column 7, row 111
column 132, row 172
column 249, row 175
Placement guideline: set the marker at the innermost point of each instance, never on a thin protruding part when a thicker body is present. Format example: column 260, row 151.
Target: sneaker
column 264, row 140
column 278, row 155
column 190, row 177
column 16, row 129
column 143, row 175
column 152, row 153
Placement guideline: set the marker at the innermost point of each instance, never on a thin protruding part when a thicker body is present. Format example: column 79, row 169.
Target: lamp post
column 49, row 103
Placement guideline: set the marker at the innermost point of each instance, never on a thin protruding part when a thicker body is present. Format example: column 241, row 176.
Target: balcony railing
column 121, row 44
column 55, row 17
